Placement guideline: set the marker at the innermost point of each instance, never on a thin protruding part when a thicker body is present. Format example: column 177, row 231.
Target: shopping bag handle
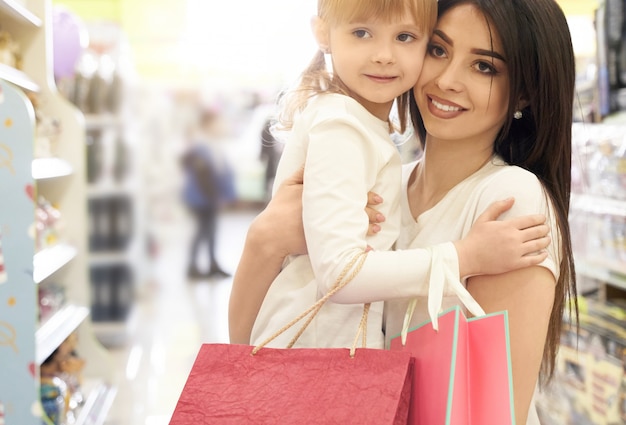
column 441, row 277
column 342, row 280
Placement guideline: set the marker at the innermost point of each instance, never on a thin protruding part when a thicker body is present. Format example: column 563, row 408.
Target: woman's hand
column 375, row 217
column 280, row 223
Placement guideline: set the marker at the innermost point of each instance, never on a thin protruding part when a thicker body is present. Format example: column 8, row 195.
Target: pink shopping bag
column 462, row 373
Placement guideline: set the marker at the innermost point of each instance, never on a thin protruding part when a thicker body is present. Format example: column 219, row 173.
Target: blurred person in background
column 271, row 150
column 208, row 187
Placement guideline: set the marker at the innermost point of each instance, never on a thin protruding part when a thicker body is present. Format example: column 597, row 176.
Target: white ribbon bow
column 442, row 280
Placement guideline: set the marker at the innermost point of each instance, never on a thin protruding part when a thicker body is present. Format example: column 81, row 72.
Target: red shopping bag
column 242, row 384
column 228, row 385
column 462, row 372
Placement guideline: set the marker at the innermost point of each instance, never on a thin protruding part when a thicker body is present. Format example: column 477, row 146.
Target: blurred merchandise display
column 598, row 201
column 590, row 383
column 61, row 382
column 589, row 387
column 43, row 272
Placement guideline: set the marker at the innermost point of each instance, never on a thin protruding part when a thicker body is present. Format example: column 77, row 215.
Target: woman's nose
column 449, row 77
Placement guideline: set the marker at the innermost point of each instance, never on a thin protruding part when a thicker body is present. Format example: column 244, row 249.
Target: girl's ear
column 321, row 33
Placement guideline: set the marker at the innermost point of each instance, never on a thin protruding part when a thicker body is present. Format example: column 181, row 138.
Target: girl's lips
column 380, row 78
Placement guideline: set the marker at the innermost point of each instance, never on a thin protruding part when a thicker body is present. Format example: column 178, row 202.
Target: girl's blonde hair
column 316, row 79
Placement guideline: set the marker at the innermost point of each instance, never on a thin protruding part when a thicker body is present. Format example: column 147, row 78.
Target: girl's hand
column 375, row 217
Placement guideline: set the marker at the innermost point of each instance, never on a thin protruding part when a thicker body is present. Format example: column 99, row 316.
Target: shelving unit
column 24, row 342
column 113, row 248
column 116, row 246
column 598, row 204
column 605, row 270
column 50, row 168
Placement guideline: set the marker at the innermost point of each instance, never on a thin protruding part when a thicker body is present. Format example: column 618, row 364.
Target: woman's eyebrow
column 489, row 53
column 481, row 52
column 443, row 36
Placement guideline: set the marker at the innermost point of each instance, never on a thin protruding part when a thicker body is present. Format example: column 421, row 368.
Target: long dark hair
column 540, row 59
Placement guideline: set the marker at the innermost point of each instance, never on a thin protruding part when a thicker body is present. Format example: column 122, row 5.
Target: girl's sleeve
column 341, row 167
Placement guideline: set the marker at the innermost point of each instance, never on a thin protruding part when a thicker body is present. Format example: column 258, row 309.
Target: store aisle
column 172, row 318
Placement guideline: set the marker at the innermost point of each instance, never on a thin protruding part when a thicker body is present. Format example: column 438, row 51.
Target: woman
column 493, row 107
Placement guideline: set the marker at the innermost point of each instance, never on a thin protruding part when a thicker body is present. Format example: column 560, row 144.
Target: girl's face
column 463, row 90
column 377, row 60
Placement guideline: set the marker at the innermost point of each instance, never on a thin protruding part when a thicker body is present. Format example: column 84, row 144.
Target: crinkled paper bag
column 228, row 385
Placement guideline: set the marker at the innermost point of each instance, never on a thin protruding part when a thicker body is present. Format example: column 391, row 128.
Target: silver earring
column 517, row 115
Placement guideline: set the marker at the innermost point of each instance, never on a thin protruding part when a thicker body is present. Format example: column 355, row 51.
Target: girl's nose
column 383, row 54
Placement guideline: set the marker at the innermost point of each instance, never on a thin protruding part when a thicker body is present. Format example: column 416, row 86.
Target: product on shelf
column 53, row 398
column 97, row 86
column 113, row 292
column 111, row 223
column 599, row 160
column 51, row 298
column 61, row 395
column 47, row 129
column 9, row 51
column 95, row 155
column 589, row 387
column 48, row 224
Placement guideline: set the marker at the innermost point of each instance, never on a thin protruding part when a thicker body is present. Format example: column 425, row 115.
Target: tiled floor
column 172, row 318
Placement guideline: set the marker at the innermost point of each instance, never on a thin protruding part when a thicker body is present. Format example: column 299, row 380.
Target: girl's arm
column 277, row 232
column 528, row 237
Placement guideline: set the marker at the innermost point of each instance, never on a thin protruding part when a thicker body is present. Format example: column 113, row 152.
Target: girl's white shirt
column 348, row 152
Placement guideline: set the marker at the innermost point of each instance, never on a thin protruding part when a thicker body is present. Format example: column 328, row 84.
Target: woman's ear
column 522, row 103
column 321, row 33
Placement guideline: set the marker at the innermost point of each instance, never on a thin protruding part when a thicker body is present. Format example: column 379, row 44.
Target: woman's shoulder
column 498, row 180
column 498, row 176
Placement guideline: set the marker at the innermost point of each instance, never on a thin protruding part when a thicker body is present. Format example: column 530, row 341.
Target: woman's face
column 463, row 90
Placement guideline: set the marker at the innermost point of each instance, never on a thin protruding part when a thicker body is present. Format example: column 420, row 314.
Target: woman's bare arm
column 527, row 294
column 274, row 234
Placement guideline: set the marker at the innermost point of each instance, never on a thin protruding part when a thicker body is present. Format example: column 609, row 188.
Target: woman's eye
column 436, row 51
column 485, row 68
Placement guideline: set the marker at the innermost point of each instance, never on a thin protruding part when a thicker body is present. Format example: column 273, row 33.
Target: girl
column 339, row 125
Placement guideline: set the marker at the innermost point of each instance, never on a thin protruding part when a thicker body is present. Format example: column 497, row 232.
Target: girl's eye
column 485, row 68
column 406, row 38
column 361, row 33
